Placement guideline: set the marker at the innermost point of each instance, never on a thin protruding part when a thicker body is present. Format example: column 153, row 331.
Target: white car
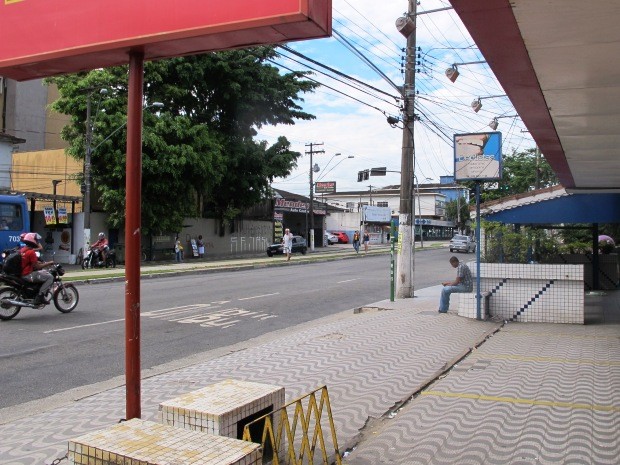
column 460, row 243
column 331, row 238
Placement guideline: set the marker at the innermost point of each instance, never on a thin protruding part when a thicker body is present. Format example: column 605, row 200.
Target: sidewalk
column 407, row 386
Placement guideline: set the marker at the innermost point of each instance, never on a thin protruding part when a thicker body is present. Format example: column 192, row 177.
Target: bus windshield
column 11, row 217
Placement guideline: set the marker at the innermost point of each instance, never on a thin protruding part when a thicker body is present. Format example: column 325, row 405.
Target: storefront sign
column 327, row 187
column 377, row 214
column 50, row 217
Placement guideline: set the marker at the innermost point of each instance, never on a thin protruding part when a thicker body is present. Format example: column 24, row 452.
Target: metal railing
column 287, row 435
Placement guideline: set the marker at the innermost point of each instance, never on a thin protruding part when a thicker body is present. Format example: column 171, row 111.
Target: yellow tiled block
column 141, row 442
column 218, row 408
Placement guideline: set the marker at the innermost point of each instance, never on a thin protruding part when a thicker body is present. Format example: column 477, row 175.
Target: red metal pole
column 133, row 199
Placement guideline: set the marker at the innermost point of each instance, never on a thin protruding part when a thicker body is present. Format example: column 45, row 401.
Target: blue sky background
column 351, row 128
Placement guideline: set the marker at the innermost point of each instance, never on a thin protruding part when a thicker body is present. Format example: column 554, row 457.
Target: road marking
column 83, row 326
column 516, row 400
column 347, row 281
column 259, row 296
column 522, row 358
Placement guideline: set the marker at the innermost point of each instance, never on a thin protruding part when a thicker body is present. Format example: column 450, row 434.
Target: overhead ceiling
column 558, row 62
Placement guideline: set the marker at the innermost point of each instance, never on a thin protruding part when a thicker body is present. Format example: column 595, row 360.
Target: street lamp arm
column 333, row 167
column 108, row 137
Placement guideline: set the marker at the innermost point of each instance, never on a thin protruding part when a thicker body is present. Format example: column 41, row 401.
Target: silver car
column 460, row 243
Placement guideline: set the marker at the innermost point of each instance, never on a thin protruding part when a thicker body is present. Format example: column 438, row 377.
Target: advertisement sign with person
column 478, row 156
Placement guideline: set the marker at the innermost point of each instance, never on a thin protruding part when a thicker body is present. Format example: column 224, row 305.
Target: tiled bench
column 468, row 305
column 140, row 442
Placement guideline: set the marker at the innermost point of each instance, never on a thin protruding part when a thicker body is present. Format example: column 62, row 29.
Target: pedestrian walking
column 201, row 247
column 178, row 251
column 356, row 241
column 462, row 283
column 287, row 242
column 366, row 242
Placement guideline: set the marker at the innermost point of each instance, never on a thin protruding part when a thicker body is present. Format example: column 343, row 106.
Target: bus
column 14, row 220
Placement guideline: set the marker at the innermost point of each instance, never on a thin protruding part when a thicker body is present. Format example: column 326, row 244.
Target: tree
column 200, row 148
column 522, row 172
column 452, row 215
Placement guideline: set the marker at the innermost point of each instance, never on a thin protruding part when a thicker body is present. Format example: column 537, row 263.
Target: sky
column 355, row 125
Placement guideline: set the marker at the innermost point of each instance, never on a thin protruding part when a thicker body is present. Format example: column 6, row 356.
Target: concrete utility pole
column 312, row 152
column 406, row 249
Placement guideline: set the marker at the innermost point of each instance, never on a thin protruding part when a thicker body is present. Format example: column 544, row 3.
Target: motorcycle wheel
column 110, row 262
column 85, row 262
column 8, row 311
column 66, row 298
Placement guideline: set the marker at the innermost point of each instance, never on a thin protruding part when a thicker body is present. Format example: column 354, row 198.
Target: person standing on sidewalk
column 356, row 241
column 201, row 247
column 287, row 242
column 366, row 242
column 462, row 283
column 178, row 251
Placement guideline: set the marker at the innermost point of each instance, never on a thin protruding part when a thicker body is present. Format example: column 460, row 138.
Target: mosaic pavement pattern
column 370, row 362
column 532, row 394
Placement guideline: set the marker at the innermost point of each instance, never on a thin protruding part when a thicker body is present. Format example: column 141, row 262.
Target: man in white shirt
column 287, row 242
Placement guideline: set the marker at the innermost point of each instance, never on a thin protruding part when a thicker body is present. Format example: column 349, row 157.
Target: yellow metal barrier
column 281, row 436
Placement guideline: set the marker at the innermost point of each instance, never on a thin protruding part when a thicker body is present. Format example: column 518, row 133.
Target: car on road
column 331, row 238
column 342, row 236
column 462, row 243
column 299, row 246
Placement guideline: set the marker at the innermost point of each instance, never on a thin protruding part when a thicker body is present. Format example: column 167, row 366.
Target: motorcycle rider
column 33, row 270
column 102, row 246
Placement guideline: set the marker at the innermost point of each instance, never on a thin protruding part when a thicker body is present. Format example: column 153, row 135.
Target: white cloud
column 351, row 128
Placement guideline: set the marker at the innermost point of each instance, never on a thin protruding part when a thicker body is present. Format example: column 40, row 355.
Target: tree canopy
column 522, row 172
column 199, row 149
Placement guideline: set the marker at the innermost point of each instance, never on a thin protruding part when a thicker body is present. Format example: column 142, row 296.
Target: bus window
column 11, row 217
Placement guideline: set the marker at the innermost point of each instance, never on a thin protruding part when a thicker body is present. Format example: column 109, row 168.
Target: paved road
column 45, row 352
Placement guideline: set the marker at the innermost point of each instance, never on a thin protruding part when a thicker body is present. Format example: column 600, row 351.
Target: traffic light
column 363, row 175
column 378, row 171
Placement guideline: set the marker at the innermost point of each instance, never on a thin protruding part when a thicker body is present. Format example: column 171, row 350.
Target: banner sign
column 278, row 216
column 42, row 38
column 50, row 217
column 478, row 157
column 62, row 215
column 326, row 187
column 373, row 214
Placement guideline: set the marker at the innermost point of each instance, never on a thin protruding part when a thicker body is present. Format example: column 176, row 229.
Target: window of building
column 382, row 204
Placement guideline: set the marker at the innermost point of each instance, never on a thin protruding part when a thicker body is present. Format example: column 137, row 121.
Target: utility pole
column 87, row 169
column 406, row 249
column 311, row 152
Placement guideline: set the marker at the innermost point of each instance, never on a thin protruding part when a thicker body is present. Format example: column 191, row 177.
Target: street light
column 419, row 212
column 55, row 182
column 89, row 137
column 87, row 161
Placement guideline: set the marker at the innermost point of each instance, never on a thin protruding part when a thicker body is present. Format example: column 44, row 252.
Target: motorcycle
column 19, row 293
column 93, row 259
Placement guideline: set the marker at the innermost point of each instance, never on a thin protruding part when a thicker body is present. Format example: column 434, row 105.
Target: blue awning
column 567, row 209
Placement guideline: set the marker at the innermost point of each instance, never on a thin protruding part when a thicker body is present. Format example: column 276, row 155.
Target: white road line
column 259, row 296
column 83, row 326
column 347, row 281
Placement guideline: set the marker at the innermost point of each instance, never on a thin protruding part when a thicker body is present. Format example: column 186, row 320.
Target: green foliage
column 504, row 244
column 522, row 172
column 199, row 149
column 452, row 215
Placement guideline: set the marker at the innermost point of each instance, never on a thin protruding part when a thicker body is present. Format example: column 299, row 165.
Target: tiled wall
column 608, row 272
column 216, row 409
column 530, row 293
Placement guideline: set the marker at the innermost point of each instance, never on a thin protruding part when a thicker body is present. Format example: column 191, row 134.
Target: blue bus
column 14, row 220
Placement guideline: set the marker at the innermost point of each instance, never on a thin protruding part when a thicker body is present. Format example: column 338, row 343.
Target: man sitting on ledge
column 462, row 283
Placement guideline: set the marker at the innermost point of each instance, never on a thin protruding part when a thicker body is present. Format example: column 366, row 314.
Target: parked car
column 331, row 238
column 342, row 236
column 461, row 243
column 299, row 246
